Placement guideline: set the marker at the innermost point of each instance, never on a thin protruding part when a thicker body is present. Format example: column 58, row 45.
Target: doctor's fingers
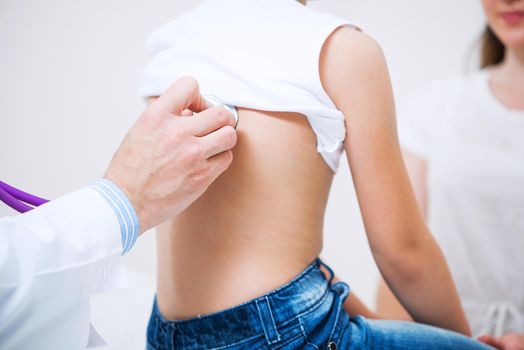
column 218, row 164
column 218, row 141
column 183, row 94
column 211, row 120
column 186, row 113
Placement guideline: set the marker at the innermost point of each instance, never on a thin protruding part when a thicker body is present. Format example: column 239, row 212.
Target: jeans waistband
column 262, row 316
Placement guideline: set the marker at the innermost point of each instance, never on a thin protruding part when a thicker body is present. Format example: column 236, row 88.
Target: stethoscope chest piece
column 214, row 101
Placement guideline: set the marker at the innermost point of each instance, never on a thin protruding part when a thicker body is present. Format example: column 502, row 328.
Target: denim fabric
column 307, row 314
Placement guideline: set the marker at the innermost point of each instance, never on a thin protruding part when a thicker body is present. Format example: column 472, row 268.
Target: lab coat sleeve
column 51, row 260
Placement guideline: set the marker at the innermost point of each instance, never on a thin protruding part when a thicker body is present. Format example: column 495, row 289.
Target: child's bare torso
column 255, row 228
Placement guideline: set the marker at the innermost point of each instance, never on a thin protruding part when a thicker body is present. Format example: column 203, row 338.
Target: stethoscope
column 214, row 101
column 19, row 200
column 23, row 202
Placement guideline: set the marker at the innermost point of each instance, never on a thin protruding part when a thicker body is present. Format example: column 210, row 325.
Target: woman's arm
column 509, row 341
column 354, row 74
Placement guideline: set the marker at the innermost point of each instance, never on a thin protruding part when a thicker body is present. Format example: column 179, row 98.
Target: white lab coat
column 52, row 260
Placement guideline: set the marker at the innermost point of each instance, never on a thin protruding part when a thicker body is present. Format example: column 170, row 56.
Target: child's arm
column 354, row 74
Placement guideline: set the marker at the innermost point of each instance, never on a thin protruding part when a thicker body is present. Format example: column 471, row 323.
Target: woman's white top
column 255, row 54
column 474, row 148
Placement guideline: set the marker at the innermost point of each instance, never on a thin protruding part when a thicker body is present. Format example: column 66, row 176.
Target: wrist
column 123, row 209
column 134, row 197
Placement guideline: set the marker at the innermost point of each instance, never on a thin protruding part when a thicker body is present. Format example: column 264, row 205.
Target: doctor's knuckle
column 180, row 135
column 189, row 82
column 153, row 112
column 194, row 154
column 200, row 173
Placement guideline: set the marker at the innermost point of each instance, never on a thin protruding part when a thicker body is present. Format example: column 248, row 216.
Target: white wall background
column 68, row 80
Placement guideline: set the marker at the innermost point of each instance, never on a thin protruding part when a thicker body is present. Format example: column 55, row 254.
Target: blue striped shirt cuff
column 127, row 218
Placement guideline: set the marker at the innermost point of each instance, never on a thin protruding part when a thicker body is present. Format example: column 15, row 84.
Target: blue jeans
column 306, row 313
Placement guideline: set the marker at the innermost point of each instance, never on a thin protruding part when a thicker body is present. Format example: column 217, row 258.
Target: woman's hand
column 510, row 341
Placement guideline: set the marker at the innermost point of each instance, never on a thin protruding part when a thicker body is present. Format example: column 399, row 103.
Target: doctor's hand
column 509, row 341
column 168, row 159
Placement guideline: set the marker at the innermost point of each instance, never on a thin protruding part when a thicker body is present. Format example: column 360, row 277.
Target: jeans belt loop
column 267, row 320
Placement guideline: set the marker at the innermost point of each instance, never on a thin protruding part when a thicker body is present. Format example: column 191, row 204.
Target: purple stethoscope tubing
column 18, row 199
